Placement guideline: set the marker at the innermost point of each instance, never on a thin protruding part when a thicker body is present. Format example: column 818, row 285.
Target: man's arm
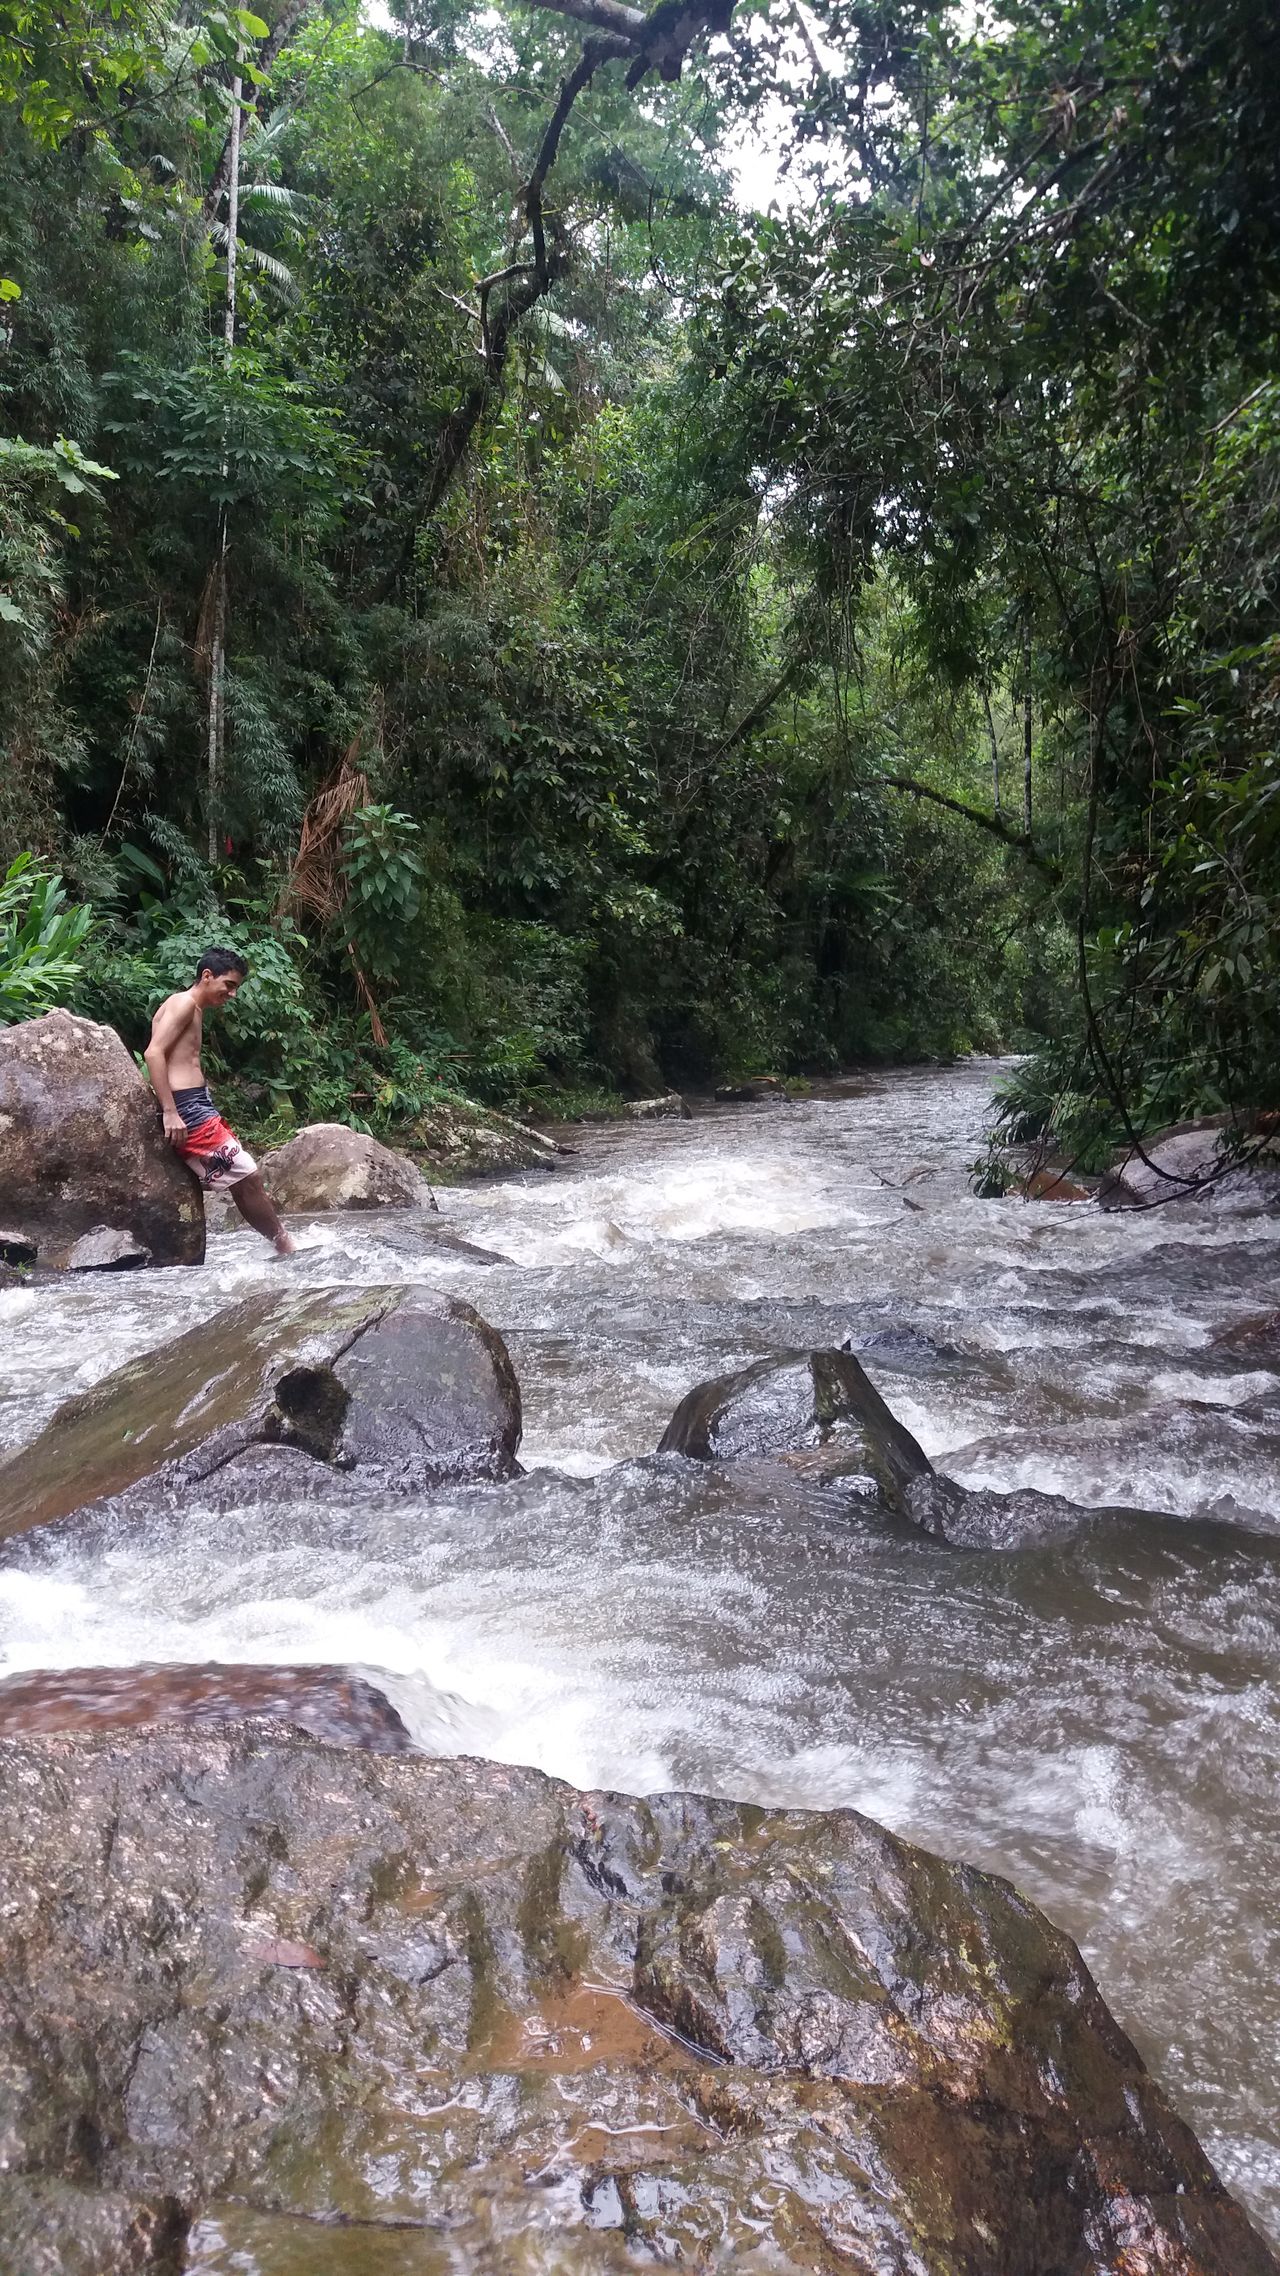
column 167, row 1028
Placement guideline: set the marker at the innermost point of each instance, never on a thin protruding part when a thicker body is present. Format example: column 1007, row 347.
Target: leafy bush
column 41, row 934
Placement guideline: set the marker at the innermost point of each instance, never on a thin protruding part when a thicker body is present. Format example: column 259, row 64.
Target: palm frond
column 274, row 193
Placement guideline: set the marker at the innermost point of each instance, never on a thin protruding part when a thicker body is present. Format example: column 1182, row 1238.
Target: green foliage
column 384, row 877
column 41, row 935
column 690, row 711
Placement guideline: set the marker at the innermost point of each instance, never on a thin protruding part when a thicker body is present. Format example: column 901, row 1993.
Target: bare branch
column 606, row 15
column 992, row 823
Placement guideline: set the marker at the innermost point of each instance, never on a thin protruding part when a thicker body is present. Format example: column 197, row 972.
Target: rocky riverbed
column 1089, row 1714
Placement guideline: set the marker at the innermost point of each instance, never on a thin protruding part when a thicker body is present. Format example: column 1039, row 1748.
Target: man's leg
column 257, row 1208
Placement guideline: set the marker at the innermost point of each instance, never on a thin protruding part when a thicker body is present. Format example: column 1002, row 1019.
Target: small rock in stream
column 457, row 2008
column 819, row 1413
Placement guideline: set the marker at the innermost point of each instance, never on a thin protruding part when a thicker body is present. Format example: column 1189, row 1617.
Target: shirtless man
column 192, row 1123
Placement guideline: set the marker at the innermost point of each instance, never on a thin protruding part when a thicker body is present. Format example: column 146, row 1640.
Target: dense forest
column 577, row 632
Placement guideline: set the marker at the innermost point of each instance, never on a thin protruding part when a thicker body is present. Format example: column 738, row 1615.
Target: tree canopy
column 577, row 631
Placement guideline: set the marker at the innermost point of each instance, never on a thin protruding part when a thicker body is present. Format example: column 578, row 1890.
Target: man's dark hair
column 219, row 961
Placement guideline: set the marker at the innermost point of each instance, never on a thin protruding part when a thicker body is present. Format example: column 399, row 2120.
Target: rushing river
column 1098, row 1720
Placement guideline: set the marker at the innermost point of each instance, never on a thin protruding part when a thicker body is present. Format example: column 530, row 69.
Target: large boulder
column 330, row 1702
column 88, row 1177
column 455, row 2015
column 328, row 1166
column 1194, row 1162
column 407, row 1388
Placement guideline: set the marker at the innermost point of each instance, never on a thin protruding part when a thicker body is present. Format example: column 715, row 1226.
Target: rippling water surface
column 1096, row 1720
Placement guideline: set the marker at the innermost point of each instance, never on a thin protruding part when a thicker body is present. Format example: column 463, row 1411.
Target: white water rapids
column 1096, row 1720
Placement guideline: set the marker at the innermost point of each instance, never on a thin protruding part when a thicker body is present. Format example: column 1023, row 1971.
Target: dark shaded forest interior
column 577, row 632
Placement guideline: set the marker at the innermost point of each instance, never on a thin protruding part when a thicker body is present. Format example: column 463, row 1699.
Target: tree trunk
column 995, row 750
column 218, row 644
column 1026, row 727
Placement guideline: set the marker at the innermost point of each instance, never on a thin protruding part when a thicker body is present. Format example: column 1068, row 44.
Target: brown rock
column 329, row 1702
column 84, row 1153
column 459, row 2008
column 1055, row 1185
column 327, row 1166
column 414, row 1388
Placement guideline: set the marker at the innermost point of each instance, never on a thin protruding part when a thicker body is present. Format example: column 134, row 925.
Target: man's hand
column 175, row 1128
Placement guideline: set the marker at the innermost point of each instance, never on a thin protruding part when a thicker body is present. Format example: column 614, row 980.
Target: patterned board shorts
column 210, row 1149
column 216, row 1155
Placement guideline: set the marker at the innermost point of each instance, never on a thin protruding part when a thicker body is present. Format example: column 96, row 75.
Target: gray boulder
column 87, row 1170
column 408, row 1388
column 1193, row 1163
column 327, row 1166
column 450, row 2015
column 329, row 1702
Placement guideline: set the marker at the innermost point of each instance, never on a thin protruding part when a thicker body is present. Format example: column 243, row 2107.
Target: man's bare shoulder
column 176, row 1012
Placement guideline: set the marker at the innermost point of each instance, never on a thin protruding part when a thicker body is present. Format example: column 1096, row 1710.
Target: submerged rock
column 328, row 1166
column 755, row 1091
column 412, row 1388
column 1193, row 1163
column 459, row 2016
column 329, row 1702
column 819, row 1413
column 803, row 1400
column 89, row 1178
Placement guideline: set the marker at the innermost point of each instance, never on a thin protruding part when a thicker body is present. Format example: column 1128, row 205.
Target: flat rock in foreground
column 456, row 2016
column 410, row 1387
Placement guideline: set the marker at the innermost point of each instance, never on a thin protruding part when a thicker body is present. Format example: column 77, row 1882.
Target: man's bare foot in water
column 284, row 1243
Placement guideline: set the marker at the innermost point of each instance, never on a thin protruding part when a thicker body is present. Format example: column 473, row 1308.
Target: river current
column 1096, row 1720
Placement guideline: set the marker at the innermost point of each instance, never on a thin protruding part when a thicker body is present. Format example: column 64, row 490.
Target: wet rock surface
column 819, row 1414
column 456, row 1138
column 805, row 1401
column 51, row 2228
column 404, row 1387
column 327, row 1166
column 668, row 1107
column 89, row 1178
column 1194, row 1163
column 330, row 1703
column 264, row 1987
